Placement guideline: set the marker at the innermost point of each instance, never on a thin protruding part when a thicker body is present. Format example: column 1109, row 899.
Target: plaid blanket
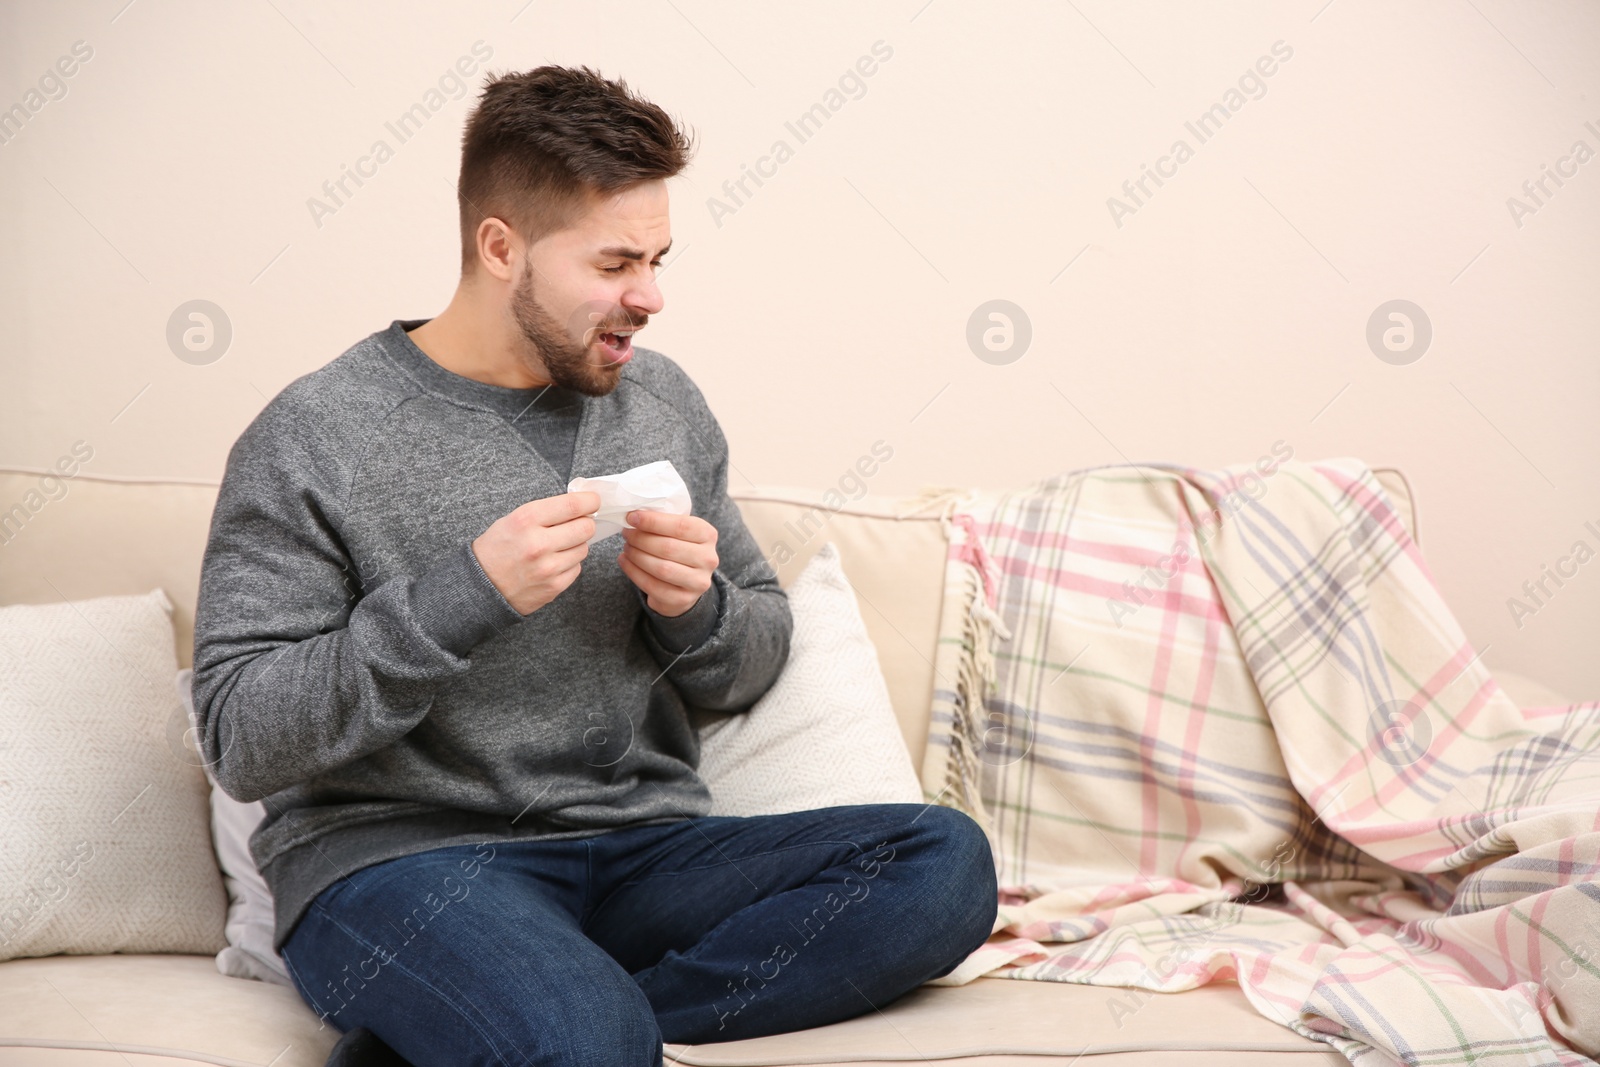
column 1220, row 725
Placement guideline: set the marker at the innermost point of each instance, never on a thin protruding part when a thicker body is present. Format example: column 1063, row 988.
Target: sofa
column 110, row 536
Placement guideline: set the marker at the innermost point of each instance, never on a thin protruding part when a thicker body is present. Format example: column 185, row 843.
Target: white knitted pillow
column 106, row 832
column 825, row 734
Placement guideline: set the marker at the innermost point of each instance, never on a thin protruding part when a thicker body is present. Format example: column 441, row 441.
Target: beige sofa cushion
column 158, row 1005
column 1008, row 1017
column 180, row 1007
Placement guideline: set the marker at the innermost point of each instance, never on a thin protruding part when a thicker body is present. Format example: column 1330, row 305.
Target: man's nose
column 644, row 298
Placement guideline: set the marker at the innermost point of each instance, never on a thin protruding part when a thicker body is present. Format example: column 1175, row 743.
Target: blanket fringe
column 975, row 666
column 974, row 677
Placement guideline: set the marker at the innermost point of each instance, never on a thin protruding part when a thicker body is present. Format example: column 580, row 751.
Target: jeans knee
column 963, row 842
column 614, row 1027
column 574, row 1035
column 972, row 888
column 625, row 1046
column 570, row 1041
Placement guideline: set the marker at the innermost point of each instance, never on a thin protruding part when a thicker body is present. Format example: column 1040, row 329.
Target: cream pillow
column 825, row 734
column 106, row 829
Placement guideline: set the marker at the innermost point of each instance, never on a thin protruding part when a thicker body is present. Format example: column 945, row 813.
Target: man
column 484, row 832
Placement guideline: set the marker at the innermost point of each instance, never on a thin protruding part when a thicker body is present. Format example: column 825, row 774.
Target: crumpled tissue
column 652, row 487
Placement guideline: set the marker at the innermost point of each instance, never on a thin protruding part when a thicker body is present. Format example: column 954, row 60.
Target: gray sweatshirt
column 356, row 670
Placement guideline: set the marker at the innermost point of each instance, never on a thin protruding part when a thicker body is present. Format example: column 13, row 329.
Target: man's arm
column 277, row 699
column 743, row 621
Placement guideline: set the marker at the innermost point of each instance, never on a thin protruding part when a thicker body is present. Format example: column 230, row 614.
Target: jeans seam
column 283, row 953
column 429, row 986
column 300, row 986
column 588, row 882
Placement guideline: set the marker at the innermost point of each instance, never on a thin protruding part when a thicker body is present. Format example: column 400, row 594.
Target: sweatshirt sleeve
column 750, row 624
column 680, row 632
column 297, row 669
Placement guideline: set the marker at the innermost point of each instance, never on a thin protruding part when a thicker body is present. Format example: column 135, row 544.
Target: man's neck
column 452, row 340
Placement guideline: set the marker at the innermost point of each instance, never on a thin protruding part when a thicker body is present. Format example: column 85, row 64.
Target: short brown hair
column 540, row 143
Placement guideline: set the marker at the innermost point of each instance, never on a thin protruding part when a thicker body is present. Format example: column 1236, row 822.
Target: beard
column 570, row 357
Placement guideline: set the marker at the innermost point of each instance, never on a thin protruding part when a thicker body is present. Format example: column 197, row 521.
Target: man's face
column 595, row 284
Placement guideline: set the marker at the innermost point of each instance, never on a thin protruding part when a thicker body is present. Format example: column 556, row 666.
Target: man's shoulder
column 344, row 399
column 660, row 376
column 361, row 379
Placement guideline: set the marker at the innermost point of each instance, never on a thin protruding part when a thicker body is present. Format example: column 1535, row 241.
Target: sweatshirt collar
column 512, row 403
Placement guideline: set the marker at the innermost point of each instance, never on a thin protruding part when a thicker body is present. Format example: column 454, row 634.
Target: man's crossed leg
column 595, row 950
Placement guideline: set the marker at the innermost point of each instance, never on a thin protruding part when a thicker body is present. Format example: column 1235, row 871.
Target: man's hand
column 533, row 553
column 670, row 558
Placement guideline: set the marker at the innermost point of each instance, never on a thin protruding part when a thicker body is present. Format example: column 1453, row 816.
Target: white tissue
column 653, row 487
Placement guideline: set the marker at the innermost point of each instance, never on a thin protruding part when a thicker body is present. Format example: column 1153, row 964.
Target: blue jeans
column 595, row 950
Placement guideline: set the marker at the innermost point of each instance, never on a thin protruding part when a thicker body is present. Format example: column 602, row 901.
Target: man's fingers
column 570, row 536
column 665, row 547
column 555, row 510
column 680, row 527
column 557, row 522
column 677, row 575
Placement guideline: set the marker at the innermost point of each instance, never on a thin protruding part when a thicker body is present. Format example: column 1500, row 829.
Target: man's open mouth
column 618, row 345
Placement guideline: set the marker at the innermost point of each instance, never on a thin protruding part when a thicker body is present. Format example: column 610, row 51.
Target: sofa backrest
column 87, row 536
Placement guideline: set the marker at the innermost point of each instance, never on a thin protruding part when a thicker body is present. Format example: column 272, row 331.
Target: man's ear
column 499, row 250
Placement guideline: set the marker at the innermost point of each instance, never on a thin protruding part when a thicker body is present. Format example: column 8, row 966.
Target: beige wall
column 830, row 309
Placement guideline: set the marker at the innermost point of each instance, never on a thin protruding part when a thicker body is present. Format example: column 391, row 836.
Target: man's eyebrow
column 631, row 253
